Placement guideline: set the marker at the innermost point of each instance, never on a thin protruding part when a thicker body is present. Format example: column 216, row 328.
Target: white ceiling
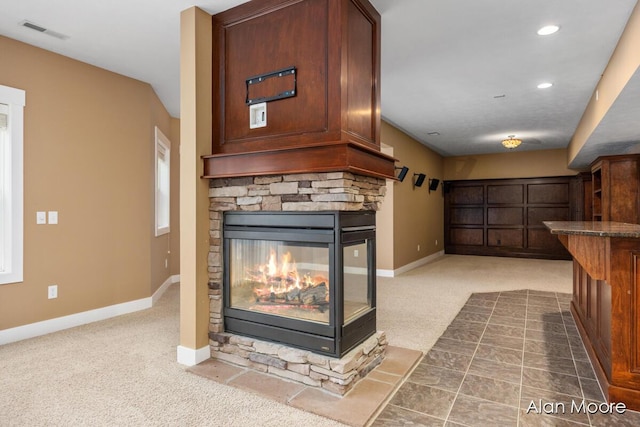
column 443, row 63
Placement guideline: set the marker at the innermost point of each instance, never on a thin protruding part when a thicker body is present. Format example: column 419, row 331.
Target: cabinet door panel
column 499, row 194
column 466, row 236
column 504, row 216
column 467, row 216
column 467, row 195
column 505, row 238
column 548, row 193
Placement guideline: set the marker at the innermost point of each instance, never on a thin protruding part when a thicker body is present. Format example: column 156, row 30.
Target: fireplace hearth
column 304, row 279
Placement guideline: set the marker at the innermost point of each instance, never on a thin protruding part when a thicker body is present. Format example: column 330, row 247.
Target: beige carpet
column 123, row 371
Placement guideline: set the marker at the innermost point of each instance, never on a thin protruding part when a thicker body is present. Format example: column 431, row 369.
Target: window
column 163, row 163
column 11, row 197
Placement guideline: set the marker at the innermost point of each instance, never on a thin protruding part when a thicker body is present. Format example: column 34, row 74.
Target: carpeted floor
column 123, row 371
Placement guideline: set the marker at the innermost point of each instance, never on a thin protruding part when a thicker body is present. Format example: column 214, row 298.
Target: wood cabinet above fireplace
column 315, row 64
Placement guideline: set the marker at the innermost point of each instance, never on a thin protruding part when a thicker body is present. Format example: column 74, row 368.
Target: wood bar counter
column 606, row 301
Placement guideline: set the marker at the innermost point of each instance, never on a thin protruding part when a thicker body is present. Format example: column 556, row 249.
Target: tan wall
column 88, row 150
column 384, row 224
column 418, row 216
column 515, row 164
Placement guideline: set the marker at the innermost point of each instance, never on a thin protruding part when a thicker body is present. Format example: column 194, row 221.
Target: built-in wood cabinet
column 606, row 275
column 309, row 70
column 503, row 217
column 616, row 189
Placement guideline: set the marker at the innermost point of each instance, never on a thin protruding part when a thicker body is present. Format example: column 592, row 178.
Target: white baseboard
column 65, row 322
column 161, row 290
column 410, row 266
column 190, row 357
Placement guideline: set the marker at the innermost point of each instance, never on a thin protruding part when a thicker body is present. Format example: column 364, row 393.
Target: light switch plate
column 41, row 217
column 53, row 217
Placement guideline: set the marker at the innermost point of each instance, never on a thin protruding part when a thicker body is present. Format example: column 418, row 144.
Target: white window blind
column 12, row 103
column 4, row 205
column 163, row 183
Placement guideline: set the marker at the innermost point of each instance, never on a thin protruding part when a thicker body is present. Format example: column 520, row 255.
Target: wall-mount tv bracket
column 251, row 81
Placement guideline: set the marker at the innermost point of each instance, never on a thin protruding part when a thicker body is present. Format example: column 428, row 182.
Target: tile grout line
column 472, row 356
column 374, row 416
column 524, row 345
column 573, row 358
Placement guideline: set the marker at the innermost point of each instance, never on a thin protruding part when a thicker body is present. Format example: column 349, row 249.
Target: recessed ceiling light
column 544, row 85
column 549, row 29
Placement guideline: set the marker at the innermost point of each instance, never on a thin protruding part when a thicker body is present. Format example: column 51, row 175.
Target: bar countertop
column 594, row 228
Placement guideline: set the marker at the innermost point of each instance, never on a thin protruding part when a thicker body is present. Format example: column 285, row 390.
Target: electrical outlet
column 166, row 263
column 418, row 248
column 436, row 242
column 356, row 254
column 52, row 291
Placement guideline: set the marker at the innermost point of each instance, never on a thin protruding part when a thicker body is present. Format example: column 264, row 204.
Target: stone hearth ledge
column 334, row 375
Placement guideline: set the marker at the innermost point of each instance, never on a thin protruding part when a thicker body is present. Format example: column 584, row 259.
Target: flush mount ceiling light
column 547, row 30
column 545, row 85
column 511, row 142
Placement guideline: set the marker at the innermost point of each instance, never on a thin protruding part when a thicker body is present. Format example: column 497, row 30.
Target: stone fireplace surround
column 327, row 191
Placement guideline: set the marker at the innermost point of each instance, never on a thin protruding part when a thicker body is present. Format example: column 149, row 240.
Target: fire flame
column 280, row 277
column 285, row 274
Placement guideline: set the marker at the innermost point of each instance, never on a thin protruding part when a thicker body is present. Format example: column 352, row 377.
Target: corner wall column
column 195, row 141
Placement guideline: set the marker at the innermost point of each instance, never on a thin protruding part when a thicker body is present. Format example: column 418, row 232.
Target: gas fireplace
column 305, row 279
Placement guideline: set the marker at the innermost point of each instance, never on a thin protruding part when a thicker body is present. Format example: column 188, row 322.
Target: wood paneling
column 606, row 312
column 509, row 238
column 508, row 214
column 505, row 216
column 606, row 293
column 467, row 237
column 504, row 193
column 335, row 47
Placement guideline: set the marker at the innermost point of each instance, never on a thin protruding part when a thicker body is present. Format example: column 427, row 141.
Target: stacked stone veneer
column 338, row 191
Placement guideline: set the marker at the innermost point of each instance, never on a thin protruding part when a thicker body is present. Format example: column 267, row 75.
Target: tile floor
column 503, row 351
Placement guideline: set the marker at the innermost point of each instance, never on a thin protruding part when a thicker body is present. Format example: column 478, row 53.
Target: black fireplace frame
column 336, row 229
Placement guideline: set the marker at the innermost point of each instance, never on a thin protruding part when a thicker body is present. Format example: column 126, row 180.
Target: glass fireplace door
column 357, row 296
column 287, row 279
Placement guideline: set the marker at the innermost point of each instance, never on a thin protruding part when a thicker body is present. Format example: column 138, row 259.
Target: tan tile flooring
column 356, row 408
column 503, row 351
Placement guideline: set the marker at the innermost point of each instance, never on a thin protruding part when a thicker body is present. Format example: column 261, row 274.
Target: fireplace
column 304, row 279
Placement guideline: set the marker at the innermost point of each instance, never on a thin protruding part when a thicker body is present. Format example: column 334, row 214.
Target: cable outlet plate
column 258, row 115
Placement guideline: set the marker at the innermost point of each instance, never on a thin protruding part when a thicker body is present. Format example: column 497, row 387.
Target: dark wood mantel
column 606, row 301
column 326, row 157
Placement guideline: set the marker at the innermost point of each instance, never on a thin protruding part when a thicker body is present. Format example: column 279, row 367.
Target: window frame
column 11, row 266
column 162, row 144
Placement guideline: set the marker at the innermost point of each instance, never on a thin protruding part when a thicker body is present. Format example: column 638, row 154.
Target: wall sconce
column 417, row 182
column 403, row 173
column 433, row 184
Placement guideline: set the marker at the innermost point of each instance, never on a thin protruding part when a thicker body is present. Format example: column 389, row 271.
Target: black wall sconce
column 417, row 182
column 403, row 173
column 433, row 184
